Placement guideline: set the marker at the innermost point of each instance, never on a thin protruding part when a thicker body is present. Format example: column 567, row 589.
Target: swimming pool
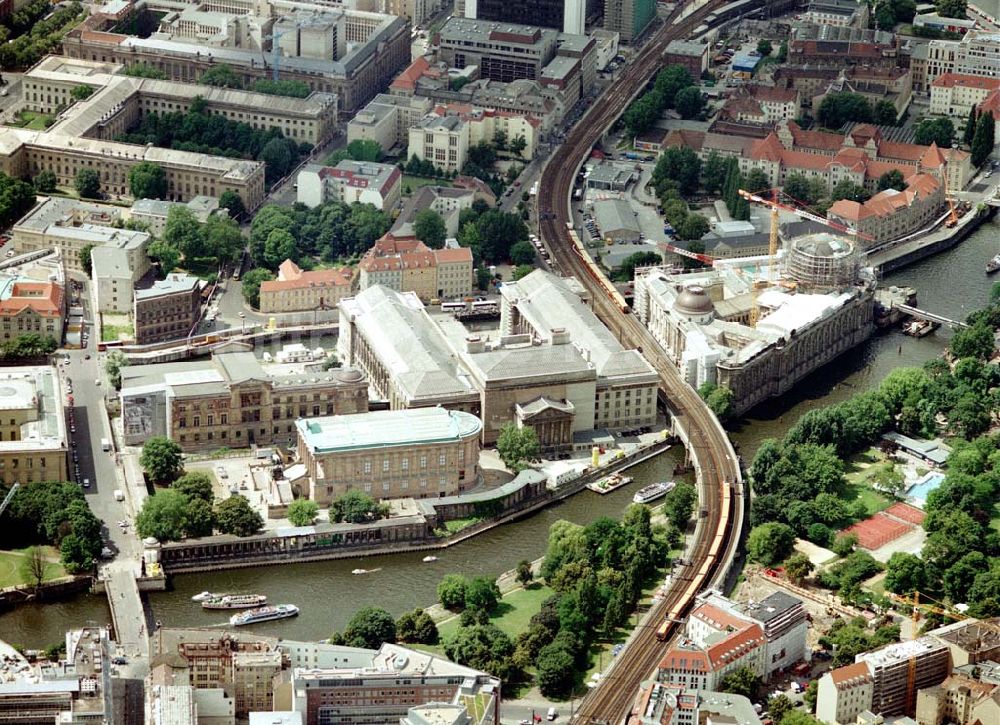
column 925, row 485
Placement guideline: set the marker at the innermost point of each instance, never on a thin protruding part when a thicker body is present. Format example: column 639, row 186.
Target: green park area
column 15, row 569
column 512, row 614
column 415, row 182
column 34, row 121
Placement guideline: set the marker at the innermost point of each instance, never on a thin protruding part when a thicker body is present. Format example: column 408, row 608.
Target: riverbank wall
column 51, row 591
column 910, row 252
column 387, row 536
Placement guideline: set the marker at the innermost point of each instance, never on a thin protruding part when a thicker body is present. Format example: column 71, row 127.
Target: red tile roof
column 292, row 277
column 719, row 618
column 45, row 298
column 850, row 675
column 950, row 80
column 407, row 80
column 451, row 256
column 736, row 646
column 991, row 104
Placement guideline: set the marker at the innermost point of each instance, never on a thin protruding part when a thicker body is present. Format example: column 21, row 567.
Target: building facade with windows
column 296, row 290
column 416, row 453
column 406, row 264
column 628, row 18
column 350, row 182
column 231, row 401
column 33, row 439
column 32, row 307
column 167, row 310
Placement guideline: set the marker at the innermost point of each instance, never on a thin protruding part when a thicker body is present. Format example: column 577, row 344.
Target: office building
column 840, row 13
column 350, row 53
column 295, row 290
column 418, row 453
column 27, row 306
column 628, row 18
column 971, row 642
column 691, row 54
column 231, row 401
column 409, row 265
column 346, row 683
column 892, row 214
column 167, row 310
column 839, row 45
column 974, row 55
column 569, row 16
column 387, row 119
column 445, row 135
column 953, row 95
column 761, row 105
column 118, row 102
column 350, row 182
column 33, row 440
column 117, row 265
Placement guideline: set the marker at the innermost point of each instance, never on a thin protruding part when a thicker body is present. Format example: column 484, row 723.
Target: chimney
column 474, row 344
column 559, row 335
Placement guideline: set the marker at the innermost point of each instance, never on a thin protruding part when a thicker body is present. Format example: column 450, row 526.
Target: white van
column 119, row 495
column 105, row 444
column 552, row 714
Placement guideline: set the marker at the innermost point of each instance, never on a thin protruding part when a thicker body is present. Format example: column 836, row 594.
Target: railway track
column 710, row 450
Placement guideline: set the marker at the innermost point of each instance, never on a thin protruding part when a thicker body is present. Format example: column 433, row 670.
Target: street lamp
column 243, row 323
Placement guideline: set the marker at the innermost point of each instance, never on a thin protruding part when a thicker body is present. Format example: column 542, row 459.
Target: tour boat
column 235, row 601
column 653, row 491
column 429, row 559
column 264, row 614
column 205, row 596
column 993, row 265
column 919, row 328
column 609, row 484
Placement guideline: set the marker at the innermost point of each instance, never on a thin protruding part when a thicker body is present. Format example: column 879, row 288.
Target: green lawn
column 34, row 121
column 456, row 525
column 112, row 333
column 10, row 566
column 859, row 470
column 206, row 268
column 415, row 182
column 513, row 613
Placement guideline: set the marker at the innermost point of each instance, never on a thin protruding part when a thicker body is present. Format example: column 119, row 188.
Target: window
column 423, row 461
column 441, row 459
column 368, row 466
column 404, row 464
column 385, row 466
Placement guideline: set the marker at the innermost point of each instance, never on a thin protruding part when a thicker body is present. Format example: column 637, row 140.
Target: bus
column 454, row 307
column 485, row 306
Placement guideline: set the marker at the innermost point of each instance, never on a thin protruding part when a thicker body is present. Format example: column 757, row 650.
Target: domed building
column 823, row 262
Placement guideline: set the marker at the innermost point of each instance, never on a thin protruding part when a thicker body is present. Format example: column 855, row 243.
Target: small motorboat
column 204, row 597
column 993, row 265
column 365, row 571
column 429, row 559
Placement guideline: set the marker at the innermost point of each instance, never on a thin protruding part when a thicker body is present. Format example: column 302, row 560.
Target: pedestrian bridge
column 128, row 613
column 929, row 316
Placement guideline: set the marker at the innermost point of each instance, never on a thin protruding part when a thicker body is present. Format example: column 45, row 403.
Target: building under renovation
column 757, row 326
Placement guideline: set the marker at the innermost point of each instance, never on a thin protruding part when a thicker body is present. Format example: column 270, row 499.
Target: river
column 952, row 284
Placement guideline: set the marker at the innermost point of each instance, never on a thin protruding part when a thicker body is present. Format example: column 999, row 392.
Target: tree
column 626, row 270
column 517, row 446
column 222, row 238
column 679, row 165
column 799, row 187
column 721, row 400
column 251, row 284
column 770, row 543
column 183, row 232
column 194, row 485
column 885, row 19
column 221, row 76
column 940, row 131
column 234, row 203
column 678, row 506
column 844, row 544
column 362, row 149
column 837, row 109
column 521, row 270
column 161, row 459
column 951, row 8
column 694, row 227
column 370, row 628
column 483, row 646
column 167, row 256
column 302, row 512
column 85, row 258
column 113, row 364
column 689, row 102
column 482, row 593
column 982, row 140
column 147, row 180
column 163, row 516
column 144, row 70
column 905, row 573
column 798, row 567
column 967, row 135
column 199, row 518
column 891, row 180
column 742, row 681
column 884, row 113
column 87, row 184
column 236, row 516
column 517, row 146
column 556, row 671
column 416, row 627
column 757, row 181
column 847, row 189
column 797, row 717
column 356, row 507
column 81, row 92
column 523, row 575
column 779, row 706
column 33, row 566
column 45, row 181
column 764, row 47
column 713, row 172
column 973, row 342
column 451, row 592
column 428, row 226
column 522, row 253
column 278, row 158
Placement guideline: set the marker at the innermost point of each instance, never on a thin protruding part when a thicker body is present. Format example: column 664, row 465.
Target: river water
column 952, row 284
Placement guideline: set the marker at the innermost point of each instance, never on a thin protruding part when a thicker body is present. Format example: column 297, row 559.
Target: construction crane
column 703, row 258
column 8, row 497
column 952, row 215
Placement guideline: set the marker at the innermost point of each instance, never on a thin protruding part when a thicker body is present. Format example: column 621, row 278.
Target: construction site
column 758, row 325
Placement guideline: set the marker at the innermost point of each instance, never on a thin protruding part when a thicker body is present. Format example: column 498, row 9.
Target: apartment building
column 416, row 453
column 33, row 437
column 703, row 667
column 387, row 118
column 628, row 18
column 663, row 704
column 445, row 135
column 844, row 693
column 447, row 201
column 231, row 401
column 350, row 53
column 953, row 95
column 892, row 214
column 118, row 102
column 960, row 699
column 351, row 182
column 761, row 105
column 296, row 290
column 409, row 265
column 167, row 310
